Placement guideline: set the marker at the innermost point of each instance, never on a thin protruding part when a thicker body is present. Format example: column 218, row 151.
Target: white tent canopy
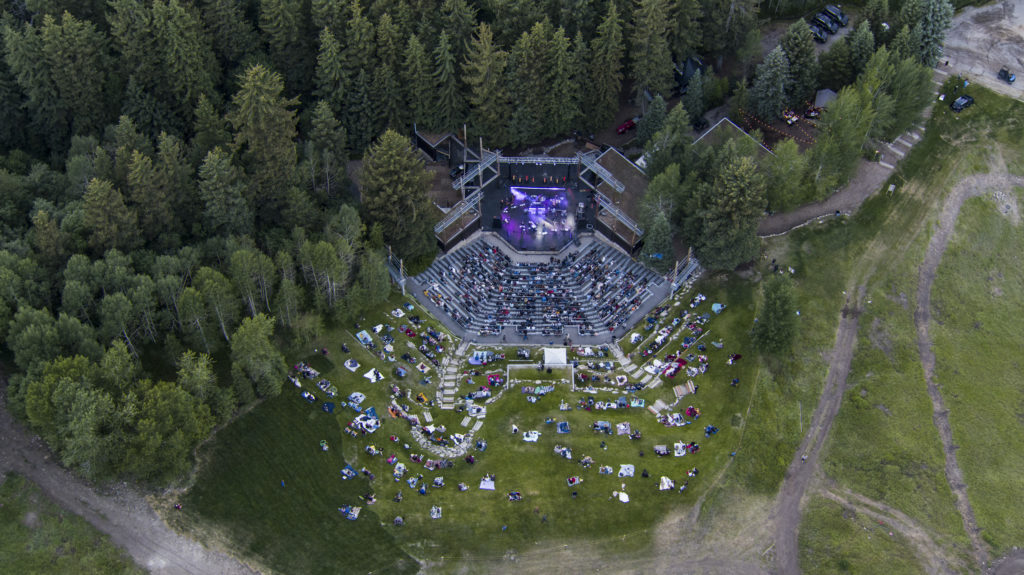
column 554, row 356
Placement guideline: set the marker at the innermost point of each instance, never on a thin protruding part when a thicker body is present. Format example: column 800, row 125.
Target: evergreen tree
column 907, row 42
column 650, row 55
column 282, row 26
column 360, row 112
column 265, row 130
column 63, row 70
column 724, row 24
column 210, row 130
column 528, row 77
column 483, row 75
column 606, row 69
column 671, row 144
column 693, row 100
column 148, row 192
column 579, row 78
column 418, row 84
column 777, row 322
column 232, row 34
column 728, row 214
column 563, row 99
column 386, row 89
column 770, row 85
column 447, row 104
column 936, row 18
column 395, row 195
column 836, row 66
column 331, row 77
column 657, row 250
column 225, row 211
column 188, row 64
column 877, row 14
column 110, row 222
column 862, row 46
column 684, row 30
column 327, row 150
column 459, row 20
column 652, row 121
column 798, row 46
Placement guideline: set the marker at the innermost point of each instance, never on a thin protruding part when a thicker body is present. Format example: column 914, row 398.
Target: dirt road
column 801, row 471
column 122, row 513
column 967, row 188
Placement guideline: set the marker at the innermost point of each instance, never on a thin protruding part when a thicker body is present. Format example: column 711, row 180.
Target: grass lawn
column 298, row 529
column 838, row 540
column 977, row 331
column 37, row 536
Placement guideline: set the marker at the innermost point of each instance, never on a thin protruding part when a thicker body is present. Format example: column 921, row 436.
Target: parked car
column 961, row 103
column 836, row 14
column 820, row 36
column 826, row 22
column 627, row 126
column 1006, row 76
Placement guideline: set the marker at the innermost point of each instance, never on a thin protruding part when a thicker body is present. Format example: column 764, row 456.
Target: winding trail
column 123, row 514
column 967, row 188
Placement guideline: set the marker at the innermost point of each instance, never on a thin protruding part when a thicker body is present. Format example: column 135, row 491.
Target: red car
column 626, row 126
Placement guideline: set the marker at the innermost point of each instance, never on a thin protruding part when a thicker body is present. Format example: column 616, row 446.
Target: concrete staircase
column 448, row 389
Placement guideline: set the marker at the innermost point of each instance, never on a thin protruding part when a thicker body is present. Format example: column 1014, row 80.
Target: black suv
column 824, row 21
column 820, row 36
column 961, row 103
column 836, row 14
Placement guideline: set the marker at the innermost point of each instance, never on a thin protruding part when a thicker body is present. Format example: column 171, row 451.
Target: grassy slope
column 884, row 444
column 298, row 528
column 835, row 540
column 36, row 536
column 978, row 295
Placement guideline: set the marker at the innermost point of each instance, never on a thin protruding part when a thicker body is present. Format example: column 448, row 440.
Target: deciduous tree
column 255, row 354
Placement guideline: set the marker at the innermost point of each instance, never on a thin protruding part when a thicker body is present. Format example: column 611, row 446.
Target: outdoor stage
column 537, row 212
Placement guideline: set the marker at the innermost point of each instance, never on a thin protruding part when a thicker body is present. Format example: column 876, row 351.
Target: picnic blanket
column 487, row 484
column 351, row 365
column 626, row 470
column 364, row 338
column 373, row 375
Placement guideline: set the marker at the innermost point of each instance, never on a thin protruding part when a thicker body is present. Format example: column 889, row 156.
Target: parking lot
column 983, row 40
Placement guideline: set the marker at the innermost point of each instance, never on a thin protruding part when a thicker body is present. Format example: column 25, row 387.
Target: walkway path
column 798, row 476
column 967, row 188
column 868, row 179
column 119, row 511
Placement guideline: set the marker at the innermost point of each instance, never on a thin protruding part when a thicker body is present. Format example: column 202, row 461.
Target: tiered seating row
column 593, row 290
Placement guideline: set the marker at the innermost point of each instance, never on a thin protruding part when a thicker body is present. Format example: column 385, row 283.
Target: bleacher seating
column 593, row 290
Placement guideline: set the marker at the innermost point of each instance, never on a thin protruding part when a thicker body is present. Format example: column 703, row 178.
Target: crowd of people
column 484, row 290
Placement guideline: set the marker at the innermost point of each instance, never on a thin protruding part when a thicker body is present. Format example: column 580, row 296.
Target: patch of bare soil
column 968, row 187
column 119, row 510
